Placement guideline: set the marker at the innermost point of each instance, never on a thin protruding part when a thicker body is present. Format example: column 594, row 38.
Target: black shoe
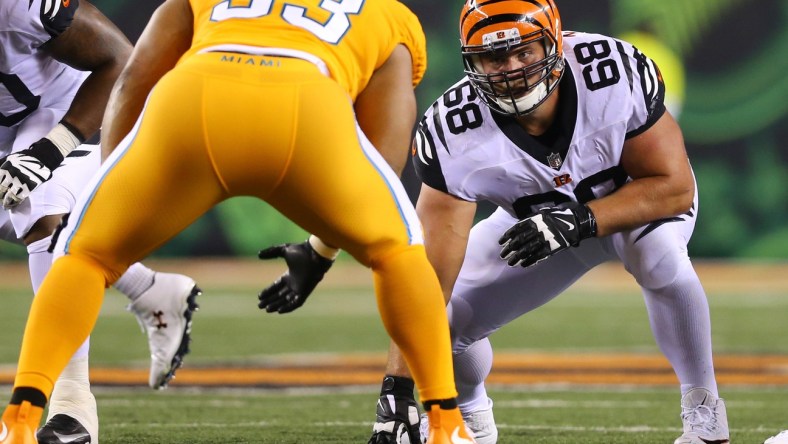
column 63, row 429
column 397, row 417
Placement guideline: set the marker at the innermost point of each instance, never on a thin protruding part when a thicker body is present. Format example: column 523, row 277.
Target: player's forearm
column 95, row 45
column 447, row 223
column 125, row 104
column 446, row 252
column 640, row 202
column 87, row 109
column 165, row 39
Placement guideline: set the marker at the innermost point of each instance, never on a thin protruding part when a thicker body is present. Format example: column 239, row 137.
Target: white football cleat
column 72, row 416
column 705, row 418
column 480, row 423
column 780, row 438
column 164, row 311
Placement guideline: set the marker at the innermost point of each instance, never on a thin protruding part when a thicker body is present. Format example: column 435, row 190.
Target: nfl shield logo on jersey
column 554, row 160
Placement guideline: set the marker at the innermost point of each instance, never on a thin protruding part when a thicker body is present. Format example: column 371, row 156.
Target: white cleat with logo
column 63, row 429
column 705, row 418
column 482, row 424
column 164, row 312
column 72, row 417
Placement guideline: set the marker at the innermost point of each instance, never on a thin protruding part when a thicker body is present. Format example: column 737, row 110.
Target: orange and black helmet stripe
column 543, row 15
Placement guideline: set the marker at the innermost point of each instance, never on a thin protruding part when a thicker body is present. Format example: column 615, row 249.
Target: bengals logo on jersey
column 562, row 180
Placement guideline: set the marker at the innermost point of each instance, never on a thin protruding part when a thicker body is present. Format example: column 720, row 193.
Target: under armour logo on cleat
column 159, row 322
column 3, row 432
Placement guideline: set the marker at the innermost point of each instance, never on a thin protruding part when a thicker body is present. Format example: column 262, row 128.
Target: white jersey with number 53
column 610, row 92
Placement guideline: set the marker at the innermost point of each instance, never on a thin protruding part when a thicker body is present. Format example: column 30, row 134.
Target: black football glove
column 305, row 269
column 545, row 233
column 24, row 171
column 397, row 417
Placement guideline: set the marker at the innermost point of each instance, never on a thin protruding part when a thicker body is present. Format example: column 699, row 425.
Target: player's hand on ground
column 397, row 421
column 545, row 233
column 24, row 171
column 305, row 268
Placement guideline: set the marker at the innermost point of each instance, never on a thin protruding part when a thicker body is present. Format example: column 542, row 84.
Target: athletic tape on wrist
column 63, row 139
column 322, row 249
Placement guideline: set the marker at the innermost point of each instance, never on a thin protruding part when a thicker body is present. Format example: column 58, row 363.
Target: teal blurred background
column 725, row 63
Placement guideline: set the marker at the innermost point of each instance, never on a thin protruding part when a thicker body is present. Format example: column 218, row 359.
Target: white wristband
column 63, row 139
column 322, row 249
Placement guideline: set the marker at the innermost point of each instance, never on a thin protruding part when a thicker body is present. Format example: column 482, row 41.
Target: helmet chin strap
column 524, row 104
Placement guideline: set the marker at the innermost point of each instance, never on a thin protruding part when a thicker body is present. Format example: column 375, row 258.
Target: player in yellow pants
column 232, row 119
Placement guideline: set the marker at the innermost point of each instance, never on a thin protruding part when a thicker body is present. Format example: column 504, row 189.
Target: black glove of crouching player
column 546, row 232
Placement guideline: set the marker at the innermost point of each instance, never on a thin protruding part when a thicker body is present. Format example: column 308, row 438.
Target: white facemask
column 524, row 104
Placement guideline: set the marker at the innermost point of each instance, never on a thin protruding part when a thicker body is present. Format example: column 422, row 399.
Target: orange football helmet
column 495, row 28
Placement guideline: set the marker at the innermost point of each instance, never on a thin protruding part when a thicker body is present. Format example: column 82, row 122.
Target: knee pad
column 657, row 271
column 460, row 316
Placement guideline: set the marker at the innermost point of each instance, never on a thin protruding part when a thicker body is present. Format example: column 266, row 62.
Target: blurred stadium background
column 724, row 62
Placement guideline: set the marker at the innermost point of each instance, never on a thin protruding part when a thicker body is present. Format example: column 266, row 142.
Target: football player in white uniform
column 58, row 62
column 568, row 135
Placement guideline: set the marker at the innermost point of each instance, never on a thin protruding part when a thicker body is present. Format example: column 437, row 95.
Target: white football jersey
column 609, row 92
column 29, row 78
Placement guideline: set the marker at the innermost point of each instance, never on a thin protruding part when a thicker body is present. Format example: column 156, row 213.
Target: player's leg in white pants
column 656, row 255
column 489, row 294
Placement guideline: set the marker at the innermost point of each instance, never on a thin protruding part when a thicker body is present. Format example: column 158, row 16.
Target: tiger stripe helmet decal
column 483, row 16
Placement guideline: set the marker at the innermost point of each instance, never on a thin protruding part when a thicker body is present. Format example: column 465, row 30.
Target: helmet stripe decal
column 473, row 8
column 533, row 2
column 500, row 18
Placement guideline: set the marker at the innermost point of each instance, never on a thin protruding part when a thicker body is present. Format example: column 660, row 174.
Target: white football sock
column 39, row 261
column 471, row 368
column 71, row 396
column 679, row 315
column 135, row 281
